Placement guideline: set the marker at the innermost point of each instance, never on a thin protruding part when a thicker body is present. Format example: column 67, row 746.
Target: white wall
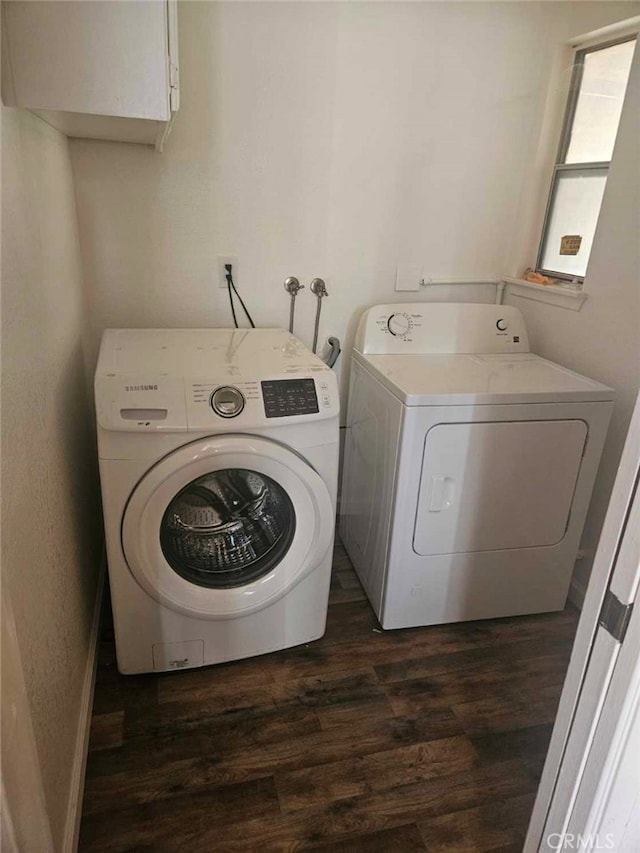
column 50, row 510
column 603, row 339
column 324, row 139
column 338, row 140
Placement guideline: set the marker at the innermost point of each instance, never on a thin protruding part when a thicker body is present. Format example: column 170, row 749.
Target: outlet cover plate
column 408, row 276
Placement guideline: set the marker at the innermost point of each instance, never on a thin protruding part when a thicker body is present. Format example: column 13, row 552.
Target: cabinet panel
column 79, row 64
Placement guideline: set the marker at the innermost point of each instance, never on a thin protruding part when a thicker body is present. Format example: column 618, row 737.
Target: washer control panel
column 288, row 397
column 213, row 381
column 250, row 403
column 227, row 401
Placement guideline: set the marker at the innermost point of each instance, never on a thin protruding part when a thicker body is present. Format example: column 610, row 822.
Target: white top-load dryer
column 218, row 460
column 469, row 464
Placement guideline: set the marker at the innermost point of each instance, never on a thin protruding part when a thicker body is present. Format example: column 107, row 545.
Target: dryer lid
column 460, row 380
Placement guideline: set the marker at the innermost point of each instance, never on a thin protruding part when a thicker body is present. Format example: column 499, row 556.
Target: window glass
column 591, row 124
column 597, row 114
column 574, row 213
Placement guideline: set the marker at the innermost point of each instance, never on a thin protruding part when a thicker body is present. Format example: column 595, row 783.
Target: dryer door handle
column 441, row 493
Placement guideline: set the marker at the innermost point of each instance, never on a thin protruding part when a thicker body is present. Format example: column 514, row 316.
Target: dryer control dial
column 399, row 325
column 227, row 401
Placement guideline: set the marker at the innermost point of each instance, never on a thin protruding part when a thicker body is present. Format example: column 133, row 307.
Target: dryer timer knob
column 399, row 325
column 227, row 401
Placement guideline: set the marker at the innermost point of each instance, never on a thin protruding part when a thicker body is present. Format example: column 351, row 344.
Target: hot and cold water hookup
column 319, row 289
column 292, row 286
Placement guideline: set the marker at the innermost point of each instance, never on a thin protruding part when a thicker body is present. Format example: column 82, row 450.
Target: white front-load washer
column 469, row 465
column 218, row 462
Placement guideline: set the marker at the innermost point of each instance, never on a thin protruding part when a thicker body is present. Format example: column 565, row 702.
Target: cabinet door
column 489, row 486
column 102, row 58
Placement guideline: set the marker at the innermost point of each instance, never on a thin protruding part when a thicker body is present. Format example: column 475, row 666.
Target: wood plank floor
column 428, row 739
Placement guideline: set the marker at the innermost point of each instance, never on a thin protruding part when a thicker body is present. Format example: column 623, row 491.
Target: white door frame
column 598, row 692
column 607, row 804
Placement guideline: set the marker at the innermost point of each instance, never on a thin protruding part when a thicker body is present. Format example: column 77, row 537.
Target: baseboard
column 577, row 593
column 76, row 790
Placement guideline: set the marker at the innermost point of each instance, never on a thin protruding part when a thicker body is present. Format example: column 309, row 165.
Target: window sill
column 553, row 294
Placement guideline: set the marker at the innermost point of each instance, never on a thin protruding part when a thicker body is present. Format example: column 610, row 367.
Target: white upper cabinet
column 100, row 69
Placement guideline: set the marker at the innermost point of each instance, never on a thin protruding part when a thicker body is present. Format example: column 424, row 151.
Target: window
column 591, row 121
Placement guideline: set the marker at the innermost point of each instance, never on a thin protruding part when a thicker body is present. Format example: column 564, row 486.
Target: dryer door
column 489, row 486
column 226, row 525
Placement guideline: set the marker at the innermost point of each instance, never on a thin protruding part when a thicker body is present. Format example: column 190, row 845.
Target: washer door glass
column 210, row 530
column 227, row 528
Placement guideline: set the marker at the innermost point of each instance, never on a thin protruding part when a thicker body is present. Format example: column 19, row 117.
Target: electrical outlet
column 222, row 273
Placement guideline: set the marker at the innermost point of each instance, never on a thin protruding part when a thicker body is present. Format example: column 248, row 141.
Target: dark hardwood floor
column 427, row 739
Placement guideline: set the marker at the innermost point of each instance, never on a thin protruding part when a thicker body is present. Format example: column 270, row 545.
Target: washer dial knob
column 399, row 325
column 227, row 401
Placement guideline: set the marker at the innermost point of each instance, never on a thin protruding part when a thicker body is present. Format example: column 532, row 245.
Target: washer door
column 226, row 526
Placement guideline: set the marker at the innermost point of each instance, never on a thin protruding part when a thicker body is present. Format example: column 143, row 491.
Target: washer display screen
column 287, row 397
